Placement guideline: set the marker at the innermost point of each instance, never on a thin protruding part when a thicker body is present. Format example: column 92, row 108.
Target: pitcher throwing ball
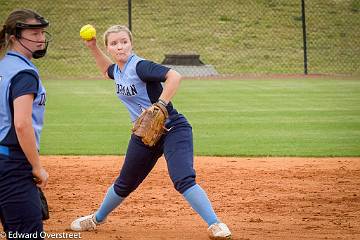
column 158, row 129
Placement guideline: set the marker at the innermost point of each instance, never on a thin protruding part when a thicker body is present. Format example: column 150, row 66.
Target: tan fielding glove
column 150, row 126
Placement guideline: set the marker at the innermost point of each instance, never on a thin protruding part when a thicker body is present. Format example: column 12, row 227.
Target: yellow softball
column 87, row 32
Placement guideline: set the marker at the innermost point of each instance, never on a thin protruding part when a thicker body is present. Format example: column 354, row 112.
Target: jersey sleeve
column 24, row 83
column 149, row 71
column 110, row 71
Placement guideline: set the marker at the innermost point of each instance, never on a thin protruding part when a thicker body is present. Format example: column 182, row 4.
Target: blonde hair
column 116, row 29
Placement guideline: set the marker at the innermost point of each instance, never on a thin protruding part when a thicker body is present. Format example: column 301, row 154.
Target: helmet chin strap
column 37, row 53
column 42, row 23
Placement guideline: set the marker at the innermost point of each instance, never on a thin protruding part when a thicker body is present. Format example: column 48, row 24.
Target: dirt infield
column 259, row 198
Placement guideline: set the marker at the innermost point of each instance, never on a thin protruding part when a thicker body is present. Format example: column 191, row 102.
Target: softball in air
column 87, row 32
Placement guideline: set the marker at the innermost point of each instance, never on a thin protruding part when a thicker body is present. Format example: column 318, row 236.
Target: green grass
column 263, row 36
column 295, row 117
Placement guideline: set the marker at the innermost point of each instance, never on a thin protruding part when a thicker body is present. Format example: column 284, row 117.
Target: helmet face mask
column 43, row 23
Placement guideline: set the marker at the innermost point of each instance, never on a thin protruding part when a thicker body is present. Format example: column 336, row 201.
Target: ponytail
column 3, row 42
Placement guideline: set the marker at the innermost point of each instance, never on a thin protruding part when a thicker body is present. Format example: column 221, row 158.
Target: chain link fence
column 229, row 37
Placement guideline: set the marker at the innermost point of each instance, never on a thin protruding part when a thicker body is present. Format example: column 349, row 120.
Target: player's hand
column 150, row 125
column 40, row 176
column 91, row 43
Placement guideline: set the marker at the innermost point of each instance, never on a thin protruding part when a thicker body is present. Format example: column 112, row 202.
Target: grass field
column 285, row 117
column 294, row 117
column 263, row 36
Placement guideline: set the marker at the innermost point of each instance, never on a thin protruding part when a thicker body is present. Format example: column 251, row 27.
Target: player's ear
column 12, row 38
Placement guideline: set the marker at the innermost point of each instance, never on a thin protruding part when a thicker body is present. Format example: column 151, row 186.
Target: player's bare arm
column 25, row 133
column 171, row 85
column 102, row 61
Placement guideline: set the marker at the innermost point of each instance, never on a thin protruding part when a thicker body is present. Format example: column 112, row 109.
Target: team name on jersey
column 126, row 90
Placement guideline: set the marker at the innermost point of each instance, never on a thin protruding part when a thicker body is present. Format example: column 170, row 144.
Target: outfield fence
column 232, row 37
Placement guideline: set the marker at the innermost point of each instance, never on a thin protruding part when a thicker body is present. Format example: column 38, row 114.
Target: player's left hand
column 40, row 176
column 150, row 126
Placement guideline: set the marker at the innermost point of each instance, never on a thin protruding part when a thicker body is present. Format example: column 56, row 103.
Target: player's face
column 119, row 46
column 33, row 39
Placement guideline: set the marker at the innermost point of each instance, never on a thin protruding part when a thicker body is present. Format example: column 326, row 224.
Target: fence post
column 129, row 14
column 304, row 36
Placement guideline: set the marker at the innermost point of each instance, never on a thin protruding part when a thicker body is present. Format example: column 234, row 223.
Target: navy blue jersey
column 138, row 86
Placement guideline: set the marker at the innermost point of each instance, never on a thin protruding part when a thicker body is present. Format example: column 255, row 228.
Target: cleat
column 86, row 223
column 219, row 231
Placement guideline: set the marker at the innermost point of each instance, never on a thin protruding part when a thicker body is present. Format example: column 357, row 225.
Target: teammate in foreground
column 22, row 106
column 138, row 86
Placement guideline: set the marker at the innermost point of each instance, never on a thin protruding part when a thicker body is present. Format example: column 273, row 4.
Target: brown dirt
column 259, row 198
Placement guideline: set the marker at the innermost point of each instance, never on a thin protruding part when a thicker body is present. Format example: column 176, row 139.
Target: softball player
column 138, row 86
column 22, row 105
